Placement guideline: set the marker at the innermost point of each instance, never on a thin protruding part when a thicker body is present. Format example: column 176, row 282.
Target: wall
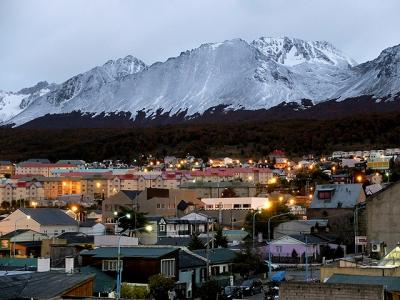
column 382, row 213
column 326, row 291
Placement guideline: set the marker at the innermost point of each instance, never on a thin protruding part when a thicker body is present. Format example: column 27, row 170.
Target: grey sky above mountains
column 54, row 40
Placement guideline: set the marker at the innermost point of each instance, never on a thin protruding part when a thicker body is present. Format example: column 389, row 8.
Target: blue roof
column 391, row 284
column 342, row 195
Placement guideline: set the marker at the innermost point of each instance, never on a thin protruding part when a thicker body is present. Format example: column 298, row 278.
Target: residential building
column 46, row 285
column 121, row 200
column 247, row 203
column 22, row 190
column 382, row 216
column 39, row 168
column 49, row 221
column 252, row 175
column 336, row 203
column 205, row 189
column 7, row 168
column 290, row 248
column 145, row 260
column 27, row 243
column 301, row 227
column 221, row 259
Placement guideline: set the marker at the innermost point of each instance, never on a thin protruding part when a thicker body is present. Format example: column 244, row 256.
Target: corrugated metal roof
column 141, row 252
column 343, row 195
column 42, row 285
column 218, row 255
column 391, row 284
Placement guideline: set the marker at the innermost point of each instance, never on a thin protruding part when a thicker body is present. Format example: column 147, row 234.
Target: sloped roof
column 131, row 194
column 188, row 260
column 139, row 252
column 76, row 238
column 18, row 232
column 43, row 285
column 343, row 195
column 49, row 216
column 218, row 255
column 391, row 284
column 103, row 283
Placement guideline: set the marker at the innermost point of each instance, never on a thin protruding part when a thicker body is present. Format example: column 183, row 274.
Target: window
column 162, row 227
column 246, row 205
column 111, row 265
column 158, row 205
column 324, row 195
column 278, row 249
column 236, row 205
column 168, row 267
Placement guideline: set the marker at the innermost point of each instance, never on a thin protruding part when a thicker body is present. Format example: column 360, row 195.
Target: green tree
column 221, row 241
column 247, row 262
column 195, row 243
column 136, row 220
column 159, row 286
column 208, row 290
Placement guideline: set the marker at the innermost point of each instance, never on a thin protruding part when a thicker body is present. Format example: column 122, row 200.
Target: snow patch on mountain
column 233, row 74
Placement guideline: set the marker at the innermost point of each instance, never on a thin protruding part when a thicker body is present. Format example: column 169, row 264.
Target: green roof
column 18, row 262
column 391, row 284
column 142, row 252
column 217, row 255
column 103, row 283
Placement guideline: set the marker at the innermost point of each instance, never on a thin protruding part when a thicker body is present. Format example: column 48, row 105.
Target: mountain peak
column 292, row 51
column 122, row 67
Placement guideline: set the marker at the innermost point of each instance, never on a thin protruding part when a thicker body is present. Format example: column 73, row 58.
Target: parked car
column 233, row 292
column 272, row 292
column 274, row 267
column 251, row 287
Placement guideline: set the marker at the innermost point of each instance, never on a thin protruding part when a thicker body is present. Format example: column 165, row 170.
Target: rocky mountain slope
column 233, row 74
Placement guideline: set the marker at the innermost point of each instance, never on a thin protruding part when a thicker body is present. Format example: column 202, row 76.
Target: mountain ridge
column 234, row 73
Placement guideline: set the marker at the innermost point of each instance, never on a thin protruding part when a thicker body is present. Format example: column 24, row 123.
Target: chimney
column 43, row 264
column 69, row 265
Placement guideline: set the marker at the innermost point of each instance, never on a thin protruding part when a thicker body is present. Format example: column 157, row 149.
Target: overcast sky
column 55, row 39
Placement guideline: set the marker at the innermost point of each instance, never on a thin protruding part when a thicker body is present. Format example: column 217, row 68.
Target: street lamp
column 258, row 211
column 269, row 240
column 119, row 271
column 15, row 227
column 147, row 228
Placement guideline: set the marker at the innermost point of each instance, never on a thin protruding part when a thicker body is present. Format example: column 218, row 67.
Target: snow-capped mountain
column 234, row 73
column 290, row 52
column 12, row 103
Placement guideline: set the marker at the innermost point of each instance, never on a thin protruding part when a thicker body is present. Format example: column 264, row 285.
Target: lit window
column 168, row 267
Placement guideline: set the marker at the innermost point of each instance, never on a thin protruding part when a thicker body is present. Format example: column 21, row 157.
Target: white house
column 91, row 227
column 235, row 203
column 49, row 221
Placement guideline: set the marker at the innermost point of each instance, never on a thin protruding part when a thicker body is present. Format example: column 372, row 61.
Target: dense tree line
column 245, row 139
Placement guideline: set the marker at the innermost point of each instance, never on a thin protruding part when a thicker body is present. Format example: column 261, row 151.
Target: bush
column 160, row 285
column 134, row 292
